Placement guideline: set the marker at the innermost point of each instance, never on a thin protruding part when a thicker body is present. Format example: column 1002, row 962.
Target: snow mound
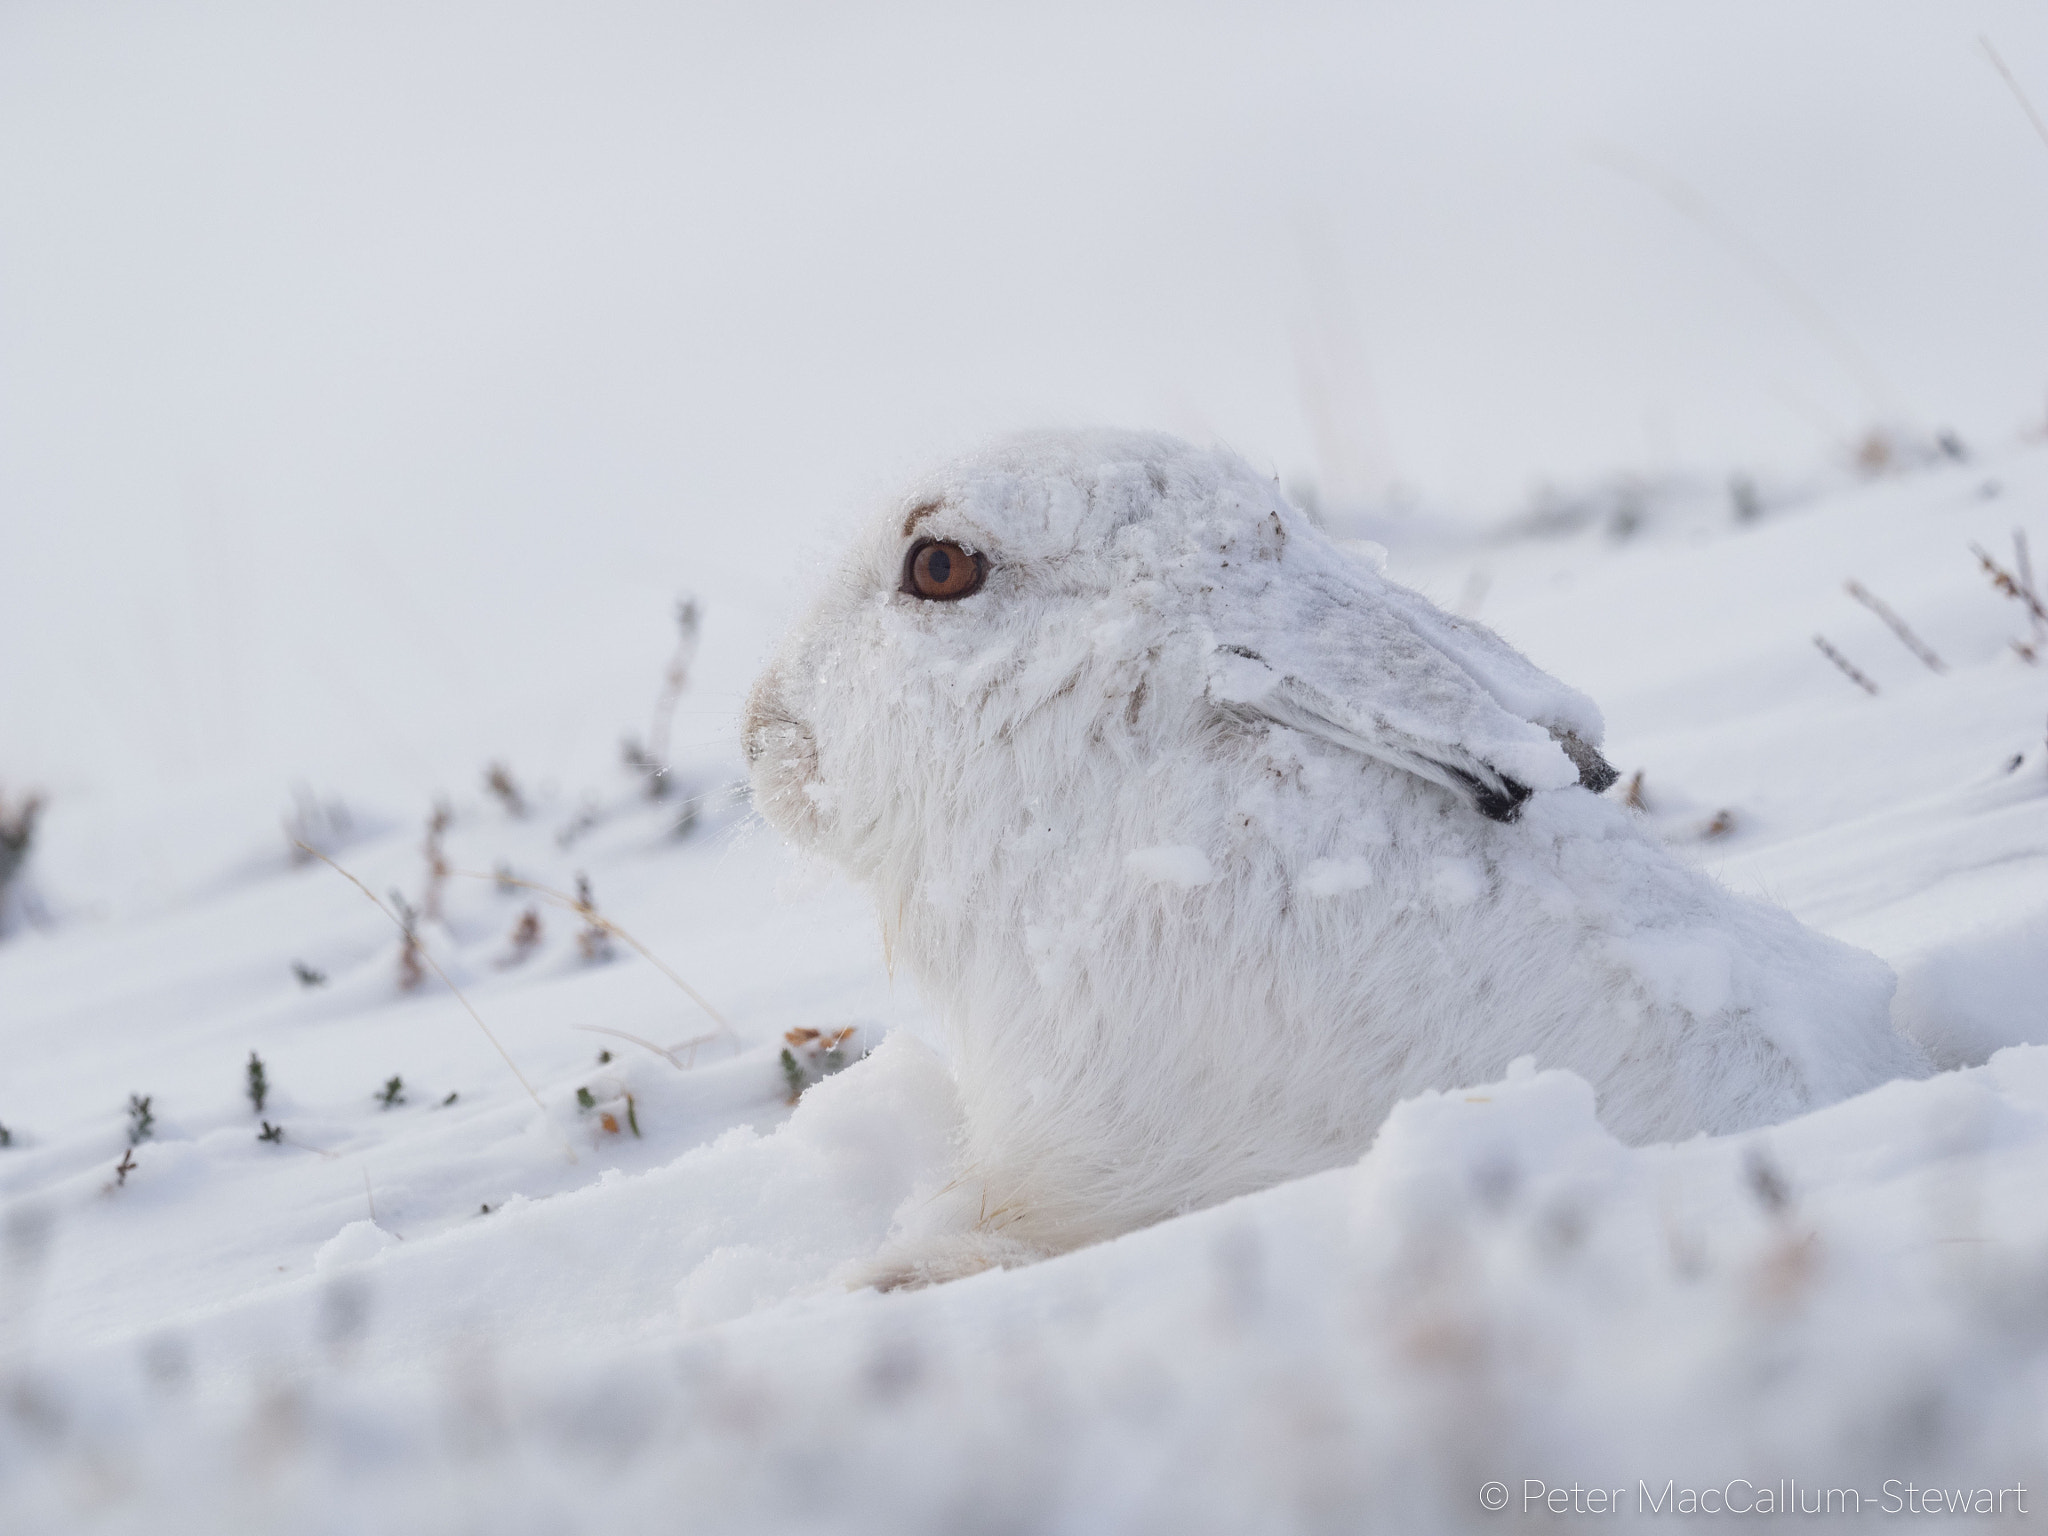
column 1498, row 1292
column 1973, row 995
column 608, row 1291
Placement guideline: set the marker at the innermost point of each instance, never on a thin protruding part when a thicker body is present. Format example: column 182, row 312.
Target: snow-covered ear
column 1374, row 668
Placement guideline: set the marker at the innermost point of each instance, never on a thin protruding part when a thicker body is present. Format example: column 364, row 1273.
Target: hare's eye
column 941, row 572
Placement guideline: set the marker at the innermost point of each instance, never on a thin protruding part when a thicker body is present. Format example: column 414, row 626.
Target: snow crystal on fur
column 1176, row 821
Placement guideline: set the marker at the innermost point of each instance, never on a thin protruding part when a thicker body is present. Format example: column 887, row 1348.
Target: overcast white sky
column 371, row 373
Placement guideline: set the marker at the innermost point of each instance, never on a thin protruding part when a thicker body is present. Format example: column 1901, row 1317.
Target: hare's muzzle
column 782, row 758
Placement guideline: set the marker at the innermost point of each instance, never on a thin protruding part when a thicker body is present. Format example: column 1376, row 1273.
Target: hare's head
column 1023, row 623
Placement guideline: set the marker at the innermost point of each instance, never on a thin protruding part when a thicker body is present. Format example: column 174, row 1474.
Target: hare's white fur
column 1177, row 822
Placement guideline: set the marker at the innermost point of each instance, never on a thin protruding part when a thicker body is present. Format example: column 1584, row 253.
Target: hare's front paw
column 910, row 1266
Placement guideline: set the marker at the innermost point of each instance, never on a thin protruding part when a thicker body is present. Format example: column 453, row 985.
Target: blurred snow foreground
column 438, row 1301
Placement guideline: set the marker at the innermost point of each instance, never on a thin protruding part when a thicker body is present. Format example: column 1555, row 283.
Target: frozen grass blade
column 1896, row 625
column 1849, row 668
column 673, row 681
column 591, row 915
column 665, row 1052
column 2012, row 586
column 435, row 966
column 2012, row 83
column 2023, row 565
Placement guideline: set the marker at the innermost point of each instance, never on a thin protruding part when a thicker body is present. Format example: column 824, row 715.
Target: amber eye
column 942, row 572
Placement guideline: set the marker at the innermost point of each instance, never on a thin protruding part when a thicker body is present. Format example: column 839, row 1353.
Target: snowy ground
column 469, row 1310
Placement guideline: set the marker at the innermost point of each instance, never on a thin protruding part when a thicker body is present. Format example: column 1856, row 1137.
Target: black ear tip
column 1600, row 775
column 1495, row 804
column 1503, row 804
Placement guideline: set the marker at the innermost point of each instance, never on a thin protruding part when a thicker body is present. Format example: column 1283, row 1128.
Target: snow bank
column 1975, row 994
column 648, row 1328
column 1498, row 1292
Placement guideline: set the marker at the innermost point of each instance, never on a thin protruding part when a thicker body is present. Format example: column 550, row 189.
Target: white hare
column 1208, row 843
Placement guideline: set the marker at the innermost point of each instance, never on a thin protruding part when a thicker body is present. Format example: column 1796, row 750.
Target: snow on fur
column 329, row 1335
column 1098, row 803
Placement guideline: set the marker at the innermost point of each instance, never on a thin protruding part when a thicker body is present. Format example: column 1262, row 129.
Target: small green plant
column 6, row 1137
column 258, row 1087
column 452, row 1097
column 586, row 1102
column 393, row 1094
column 308, row 977
column 270, row 1132
column 810, row 1056
column 603, row 1057
column 141, row 1123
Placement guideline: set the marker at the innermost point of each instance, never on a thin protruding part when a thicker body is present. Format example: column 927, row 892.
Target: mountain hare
column 1208, row 843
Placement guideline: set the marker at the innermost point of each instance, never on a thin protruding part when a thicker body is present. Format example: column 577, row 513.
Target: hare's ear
column 1375, row 669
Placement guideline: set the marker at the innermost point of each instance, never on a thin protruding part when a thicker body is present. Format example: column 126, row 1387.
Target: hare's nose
column 764, row 711
column 769, row 728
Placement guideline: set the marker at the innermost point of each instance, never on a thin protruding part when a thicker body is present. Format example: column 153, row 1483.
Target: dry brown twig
column 499, row 781
column 410, row 973
column 436, row 855
column 594, row 942
column 1849, row 668
column 2018, row 584
column 1896, row 625
column 526, row 937
column 2023, row 564
column 2013, row 586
